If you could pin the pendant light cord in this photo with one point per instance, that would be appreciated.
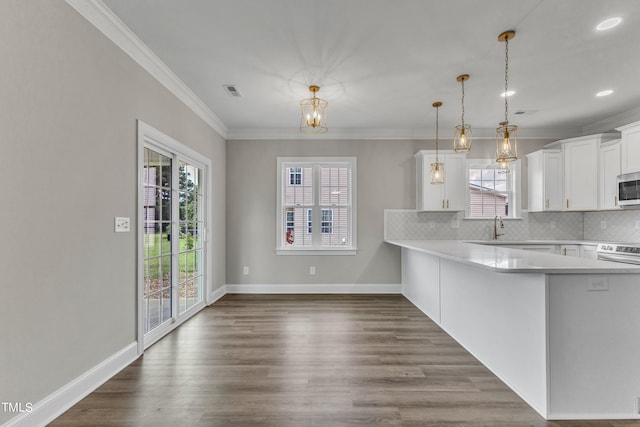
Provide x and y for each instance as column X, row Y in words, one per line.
column 506, row 78
column 463, row 103
column 437, row 109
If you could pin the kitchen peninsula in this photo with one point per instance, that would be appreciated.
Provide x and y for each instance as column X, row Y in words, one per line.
column 562, row 332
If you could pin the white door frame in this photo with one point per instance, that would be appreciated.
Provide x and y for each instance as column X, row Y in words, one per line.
column 149, row 137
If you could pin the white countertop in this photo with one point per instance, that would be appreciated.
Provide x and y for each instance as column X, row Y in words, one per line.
column 506, row 260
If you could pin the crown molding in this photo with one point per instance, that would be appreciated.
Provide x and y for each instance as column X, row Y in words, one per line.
column 98, row 14
column 613, row 122
column 387, row 134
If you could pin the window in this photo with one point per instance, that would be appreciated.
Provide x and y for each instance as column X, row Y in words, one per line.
column 317, row 191
column 492, row 191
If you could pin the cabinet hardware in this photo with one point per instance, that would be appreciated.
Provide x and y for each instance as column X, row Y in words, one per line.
column 564, row 250
column 546, row 203
column 567, row 203
column 615, row 200
column 442, row 204
column 447, row 204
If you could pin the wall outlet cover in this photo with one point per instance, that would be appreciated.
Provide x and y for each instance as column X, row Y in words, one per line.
column 245, row 270
column 455, row 223
column 598, row 283
column 603, row 225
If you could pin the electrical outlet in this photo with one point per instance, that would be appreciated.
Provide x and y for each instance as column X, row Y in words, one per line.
column 598, row 283
column 603, row 225
column 553, row 224
column 455, row 223
column 432, row 224
column 312, row 270
column 245, row 270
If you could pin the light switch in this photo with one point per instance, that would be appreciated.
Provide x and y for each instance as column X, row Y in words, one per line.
column 122, row 224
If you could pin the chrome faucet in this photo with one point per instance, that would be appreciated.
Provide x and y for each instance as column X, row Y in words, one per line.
column 497, row 220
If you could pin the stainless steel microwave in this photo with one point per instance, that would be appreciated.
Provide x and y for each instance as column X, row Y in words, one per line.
column 629, row 189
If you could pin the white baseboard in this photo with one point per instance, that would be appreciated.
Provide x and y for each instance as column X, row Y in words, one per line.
column 217, row 294
column 52, row 406
column 599, row 416
column 315, row 289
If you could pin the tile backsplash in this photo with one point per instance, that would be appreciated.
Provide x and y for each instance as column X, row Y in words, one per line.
column 619, row 226
column 408, row 224
column 413, row 225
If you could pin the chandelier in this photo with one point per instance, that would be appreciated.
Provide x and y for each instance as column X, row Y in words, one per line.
column 506, row 134
column 437, row 169
column 314, row 113
column 462, row 135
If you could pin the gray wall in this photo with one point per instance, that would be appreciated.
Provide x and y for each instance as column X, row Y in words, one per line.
column 70, row 100
column 386, row 180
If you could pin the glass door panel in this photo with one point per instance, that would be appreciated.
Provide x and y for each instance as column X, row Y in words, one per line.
column 157, row 196
column 191, row 224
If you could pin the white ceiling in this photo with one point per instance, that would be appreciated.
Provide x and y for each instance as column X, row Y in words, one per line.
column 382, row 63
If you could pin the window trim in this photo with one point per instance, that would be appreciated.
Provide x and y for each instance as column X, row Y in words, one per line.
column 516, row 209
column 281, row 163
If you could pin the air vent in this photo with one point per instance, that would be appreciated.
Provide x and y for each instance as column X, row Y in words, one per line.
column 232, row 90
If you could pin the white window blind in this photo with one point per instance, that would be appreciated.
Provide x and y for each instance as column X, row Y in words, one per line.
column 316, row 204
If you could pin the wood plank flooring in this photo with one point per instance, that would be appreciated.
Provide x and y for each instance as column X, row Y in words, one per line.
column 308, row 360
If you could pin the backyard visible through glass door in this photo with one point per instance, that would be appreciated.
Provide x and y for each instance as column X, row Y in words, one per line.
column 157, row 249
column 191, row 224
column 173, row 237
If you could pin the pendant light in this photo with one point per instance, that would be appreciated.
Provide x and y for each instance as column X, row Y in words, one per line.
column 314, row 113
column 506, row 134
column 462, row 135
column 437, row 168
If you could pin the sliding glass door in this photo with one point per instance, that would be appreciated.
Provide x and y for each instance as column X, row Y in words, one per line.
column 173, row 228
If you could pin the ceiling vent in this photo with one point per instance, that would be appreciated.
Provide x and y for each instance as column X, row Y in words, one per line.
column 232, row 90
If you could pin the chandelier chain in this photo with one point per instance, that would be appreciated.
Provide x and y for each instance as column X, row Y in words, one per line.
column 506, row 77
column 463, row 103
column 437, row 109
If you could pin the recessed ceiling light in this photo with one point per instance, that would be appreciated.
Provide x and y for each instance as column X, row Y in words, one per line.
column 509, row 93
column 604, row 92
column 608, row 24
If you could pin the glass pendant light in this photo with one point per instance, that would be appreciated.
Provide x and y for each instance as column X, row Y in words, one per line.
column 462, row 135
column 506, row 134
column 437, row 169
column 314, row 113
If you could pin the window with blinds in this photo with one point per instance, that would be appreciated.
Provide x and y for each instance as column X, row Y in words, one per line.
column 316, row 204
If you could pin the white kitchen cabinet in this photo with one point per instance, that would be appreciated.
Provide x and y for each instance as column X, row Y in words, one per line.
column 630, row 147
column 545, row 180
column 589, row 251
column 570, row 250
column 581, row 171
column 609, row 169
column 449, row 196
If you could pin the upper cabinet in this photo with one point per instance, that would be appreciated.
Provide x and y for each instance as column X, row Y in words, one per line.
column 581, row 171
column 449, row 196
column 630, row 147
column 609, row 169
column 545, row 180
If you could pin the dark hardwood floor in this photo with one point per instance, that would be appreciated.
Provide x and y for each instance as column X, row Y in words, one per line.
column 308, row 360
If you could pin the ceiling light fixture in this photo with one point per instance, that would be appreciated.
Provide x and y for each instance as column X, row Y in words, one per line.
column 506, row 134
column 608, row 24
column 437, row 169
column 462, row 135
column 314, row 113
column 508, row 93
column 604, row 93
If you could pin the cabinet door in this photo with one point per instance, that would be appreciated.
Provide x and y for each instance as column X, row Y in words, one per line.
column 609, row 171
column 588, row 251
column 570, row 250
column 631, row 150
column 455, row 190
column 581, row 175
column 553, row 181
column 431, row 196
